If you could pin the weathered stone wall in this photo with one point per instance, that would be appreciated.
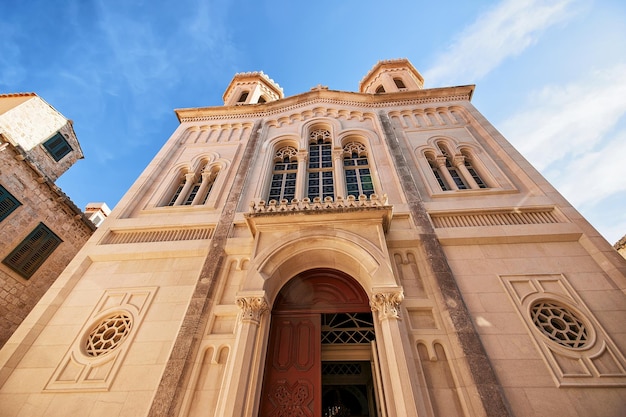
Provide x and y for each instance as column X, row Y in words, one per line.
column 41, row 202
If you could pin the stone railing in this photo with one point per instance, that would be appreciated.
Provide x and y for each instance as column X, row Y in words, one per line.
column 317, row 203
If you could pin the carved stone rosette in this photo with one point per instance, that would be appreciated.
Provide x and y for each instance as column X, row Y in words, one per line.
column 387, row 304
column 252, row 308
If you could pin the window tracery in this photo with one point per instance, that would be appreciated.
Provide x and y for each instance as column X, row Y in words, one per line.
column 320, row 181
column 357, row 170
column 284, row 174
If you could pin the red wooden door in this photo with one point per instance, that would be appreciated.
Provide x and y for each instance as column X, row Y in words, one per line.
column 292, row 386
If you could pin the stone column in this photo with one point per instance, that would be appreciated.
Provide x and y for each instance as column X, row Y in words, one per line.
column 401, row 382
column 189, row 180
column 301, row 177
column 459, row 163
column 207, row 178
column 443, row 170
column 340, row 179
column 235, row 390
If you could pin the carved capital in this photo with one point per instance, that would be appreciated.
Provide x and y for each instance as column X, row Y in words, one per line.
column 387, row 304
column 252, row 308
column 440, row 160
column 458, row 160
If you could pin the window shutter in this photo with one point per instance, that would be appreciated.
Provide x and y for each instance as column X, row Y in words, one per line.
column 8, row 203
column 33, row 251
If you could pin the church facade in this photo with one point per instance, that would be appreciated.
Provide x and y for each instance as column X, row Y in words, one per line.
column 376, row 253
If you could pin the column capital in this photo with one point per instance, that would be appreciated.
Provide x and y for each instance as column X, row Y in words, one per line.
column 458, row 160
column 387, row 304
column 440, row 160
column 252, row 308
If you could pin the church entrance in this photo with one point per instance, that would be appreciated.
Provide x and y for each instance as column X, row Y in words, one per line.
column 319, row 358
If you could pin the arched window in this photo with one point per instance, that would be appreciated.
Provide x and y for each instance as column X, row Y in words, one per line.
column 472, row 171
column 243, row 97
column 320, row 181
column 357, row 170
column 454, row 173
column 283, row 184
column 177, row 191
column 435, row 168
column 380, row 89
column 399, row 82
column 194, row 188
column 262, row 100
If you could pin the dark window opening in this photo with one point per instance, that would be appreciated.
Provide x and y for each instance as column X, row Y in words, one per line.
column 29, row 255
column 57, row 146
column 8, row 203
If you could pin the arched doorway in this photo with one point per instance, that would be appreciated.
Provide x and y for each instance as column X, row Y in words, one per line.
column 319, row 349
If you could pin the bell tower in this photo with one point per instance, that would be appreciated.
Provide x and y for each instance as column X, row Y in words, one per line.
column 391, row 76
column 251, row 88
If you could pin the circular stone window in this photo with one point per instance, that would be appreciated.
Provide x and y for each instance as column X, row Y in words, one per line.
column 559, row 324
column 108, row 334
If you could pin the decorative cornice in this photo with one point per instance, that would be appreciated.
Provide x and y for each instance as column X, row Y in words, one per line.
column 317, row 204
column 387, row 304
column 252, row 308
column 368, row 101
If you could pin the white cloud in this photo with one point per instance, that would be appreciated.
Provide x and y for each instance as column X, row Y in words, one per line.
column 504, row 31
column 588, row 179
column 569, row 121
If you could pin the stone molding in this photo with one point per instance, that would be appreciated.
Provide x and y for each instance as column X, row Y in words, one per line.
column 317, row 203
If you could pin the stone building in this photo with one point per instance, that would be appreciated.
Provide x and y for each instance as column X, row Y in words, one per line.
column 40, row 228
column 385, row 251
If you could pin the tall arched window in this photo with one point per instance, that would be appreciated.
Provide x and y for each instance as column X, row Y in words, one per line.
column 283, row 184
column 357, row 170
column 432, row 161
column 320, row 181
column 193, row 188
column 472, row 171
column 454, row 173
column 177, row 191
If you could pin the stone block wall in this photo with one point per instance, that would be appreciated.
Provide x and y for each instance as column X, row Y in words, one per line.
column 41, row 202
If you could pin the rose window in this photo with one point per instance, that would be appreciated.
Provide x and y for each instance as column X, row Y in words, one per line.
column 559, row 324
column 108, row 334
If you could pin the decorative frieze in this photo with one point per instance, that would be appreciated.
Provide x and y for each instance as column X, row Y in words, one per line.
column 387, row 304
column 306, row 204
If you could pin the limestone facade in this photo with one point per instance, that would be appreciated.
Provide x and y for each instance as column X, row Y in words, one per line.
column 30, row 199
column 385, row 250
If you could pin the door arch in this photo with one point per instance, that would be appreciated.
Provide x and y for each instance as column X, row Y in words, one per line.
column 308, row 302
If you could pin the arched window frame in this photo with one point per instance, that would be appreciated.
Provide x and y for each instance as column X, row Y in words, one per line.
column 283, row 182
column 243, row 97
column 399, row 83
column 380, row 89
column 320, row 167
column 356, row 169
column 454, row 167
column 193, row 188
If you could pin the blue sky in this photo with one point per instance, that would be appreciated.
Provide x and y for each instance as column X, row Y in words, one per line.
column 550, row 75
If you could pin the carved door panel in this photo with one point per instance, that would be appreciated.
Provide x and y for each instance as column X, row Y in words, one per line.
column 292, row 386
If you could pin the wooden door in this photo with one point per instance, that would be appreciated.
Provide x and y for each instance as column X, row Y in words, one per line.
column 292, row 386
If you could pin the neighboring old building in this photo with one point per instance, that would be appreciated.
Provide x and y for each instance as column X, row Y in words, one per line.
column 385, row 251
column 40, row 228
